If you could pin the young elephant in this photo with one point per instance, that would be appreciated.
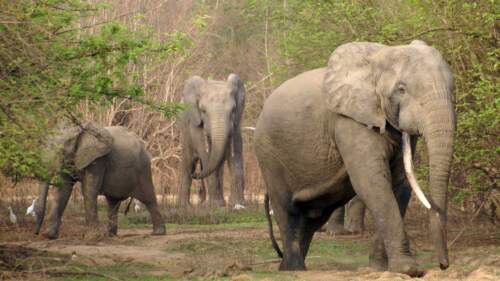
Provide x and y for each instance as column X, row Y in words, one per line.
column 347, row 129
column 211, row 134
column 110, row 161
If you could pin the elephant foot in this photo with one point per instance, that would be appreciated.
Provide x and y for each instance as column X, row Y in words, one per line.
column 378, row 262
column 356, row 230
column 292, row 265
column 159, row 230
column 334, row 230
column 113, row 232
column 51, row 234
column 406, row 265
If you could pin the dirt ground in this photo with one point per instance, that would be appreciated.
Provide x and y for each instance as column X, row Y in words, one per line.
column 239, row 251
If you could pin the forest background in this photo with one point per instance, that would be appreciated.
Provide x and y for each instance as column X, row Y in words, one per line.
column 123, row 62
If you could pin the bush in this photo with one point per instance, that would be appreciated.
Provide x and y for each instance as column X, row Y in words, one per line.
column 52, row 60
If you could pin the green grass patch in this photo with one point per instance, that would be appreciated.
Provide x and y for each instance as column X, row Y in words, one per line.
column 242, row 249
column 198, row 216
column 344, row 254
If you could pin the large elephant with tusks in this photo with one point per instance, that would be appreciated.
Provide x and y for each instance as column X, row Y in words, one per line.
column 330, row 133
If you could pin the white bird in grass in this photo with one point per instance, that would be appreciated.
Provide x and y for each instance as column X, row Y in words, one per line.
column 238, row 207
column 271, row 212
column 31, row 209
column 137, row 207
column 12, row 216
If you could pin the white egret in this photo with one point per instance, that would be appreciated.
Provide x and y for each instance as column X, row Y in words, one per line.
column 31, row 209
column 238, row 207
column 137, row 206
column 12, row 216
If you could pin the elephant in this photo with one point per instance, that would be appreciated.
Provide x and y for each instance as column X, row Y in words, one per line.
column 210, row 135
column 110, row 161
column 355, row 222
column 349, row 129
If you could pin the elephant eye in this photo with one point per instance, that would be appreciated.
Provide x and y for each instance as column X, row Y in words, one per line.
column 401, row 88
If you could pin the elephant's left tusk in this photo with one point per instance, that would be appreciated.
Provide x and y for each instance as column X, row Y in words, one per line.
column 409, row 171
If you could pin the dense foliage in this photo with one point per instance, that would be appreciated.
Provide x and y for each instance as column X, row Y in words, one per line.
column 57, row 53
column 465, row 32
column 54, row 58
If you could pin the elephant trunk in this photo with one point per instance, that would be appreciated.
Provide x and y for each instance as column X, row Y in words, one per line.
column 41, row 206
column 219, row 135
column 439, row 135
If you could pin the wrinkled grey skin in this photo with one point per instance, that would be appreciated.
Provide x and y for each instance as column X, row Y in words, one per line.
column 109, row 161
column 210, row 135
column 327, row 128
column 348, row 219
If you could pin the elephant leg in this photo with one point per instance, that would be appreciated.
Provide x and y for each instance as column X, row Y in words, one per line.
column 335, row 225
column 147, row 196
column 235, row 163
column 113, row 207
column 61, row 199
column 313, row 225
column 91, row 184
column 356, row 210
column 370, row 175
column 156, row 217
column 292, row 229
column 187, row 167
column 402, row 192
column 202, row 192
column 215, row 188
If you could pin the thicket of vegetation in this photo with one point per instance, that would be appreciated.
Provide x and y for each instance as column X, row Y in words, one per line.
column 53, row 59
column 62, row 55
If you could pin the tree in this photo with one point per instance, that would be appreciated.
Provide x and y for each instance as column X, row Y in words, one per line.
column 52, row 60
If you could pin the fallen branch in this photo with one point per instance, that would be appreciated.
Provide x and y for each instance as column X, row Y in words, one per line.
column 450, row 29
column 81, row 273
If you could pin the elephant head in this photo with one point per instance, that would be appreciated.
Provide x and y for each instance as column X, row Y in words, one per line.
column 69, row 151
column 215, row 108
column 411, row 88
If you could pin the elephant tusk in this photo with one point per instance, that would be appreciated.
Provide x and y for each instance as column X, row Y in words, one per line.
column 249, row 128
column 409, row 171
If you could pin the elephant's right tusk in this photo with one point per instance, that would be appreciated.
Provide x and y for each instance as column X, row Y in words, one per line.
column 410, row 175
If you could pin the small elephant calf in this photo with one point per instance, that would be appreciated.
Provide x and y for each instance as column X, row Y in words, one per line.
column 110, row 161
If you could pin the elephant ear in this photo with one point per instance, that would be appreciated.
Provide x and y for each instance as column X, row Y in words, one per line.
column 349, row 84
column 94, row 142
column 191, row 96
column 238, row 92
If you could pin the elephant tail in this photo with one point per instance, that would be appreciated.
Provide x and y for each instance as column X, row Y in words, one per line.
column 270, row 224
column 125, row 212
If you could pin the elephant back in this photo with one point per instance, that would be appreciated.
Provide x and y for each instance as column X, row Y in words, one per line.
column 128, row 148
